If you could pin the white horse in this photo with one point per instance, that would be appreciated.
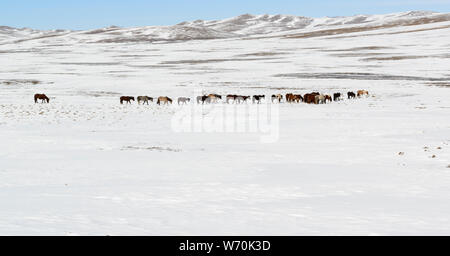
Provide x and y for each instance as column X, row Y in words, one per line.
column 277, row 97
column 231, row 98
column 319, row 99
column 183, row 100
column 257, row 98
column 242, row 99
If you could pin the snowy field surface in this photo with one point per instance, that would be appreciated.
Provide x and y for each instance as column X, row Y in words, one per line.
column 86, row 165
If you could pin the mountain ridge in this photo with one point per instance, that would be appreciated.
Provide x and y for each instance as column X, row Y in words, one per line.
column 245, row 25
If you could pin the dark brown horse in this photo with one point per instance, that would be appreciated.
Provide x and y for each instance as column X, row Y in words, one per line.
column 351, row 95
column 310, row 97
column 337, row 96
column 231, row 97
column 258, row 98
column 289, row 97
column 41, row 97
column 202, row 99
column 127, row 99
column 328, row 98
column 297, row 98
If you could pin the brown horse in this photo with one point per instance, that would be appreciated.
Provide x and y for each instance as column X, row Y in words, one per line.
column 41, row 97
column 293, row 98
column 362, row 92
column 127, row 99
column 213, row 98
column 328, row 98
column 289, row 97
column 297, row 98
column 166, row 100
column 310, row 97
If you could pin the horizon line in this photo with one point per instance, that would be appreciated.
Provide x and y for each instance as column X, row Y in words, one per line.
column 230, row 17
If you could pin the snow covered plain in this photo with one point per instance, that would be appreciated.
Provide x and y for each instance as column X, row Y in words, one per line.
column 86, row 165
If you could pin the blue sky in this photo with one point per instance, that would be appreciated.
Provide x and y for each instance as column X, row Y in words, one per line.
column 88, row 14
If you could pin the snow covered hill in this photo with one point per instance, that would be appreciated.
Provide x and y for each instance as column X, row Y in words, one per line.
column 241, row 26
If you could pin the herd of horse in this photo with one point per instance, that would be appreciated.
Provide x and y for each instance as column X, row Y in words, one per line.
column 310, row 98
